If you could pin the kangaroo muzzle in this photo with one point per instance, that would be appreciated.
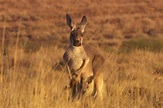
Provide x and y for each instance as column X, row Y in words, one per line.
column 77, row 43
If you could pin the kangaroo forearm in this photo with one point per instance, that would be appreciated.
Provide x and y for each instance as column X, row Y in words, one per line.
column 84, row 64
column 68, row 71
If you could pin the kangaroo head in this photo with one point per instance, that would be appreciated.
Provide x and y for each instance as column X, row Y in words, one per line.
column 86, row 83
column 77, row 30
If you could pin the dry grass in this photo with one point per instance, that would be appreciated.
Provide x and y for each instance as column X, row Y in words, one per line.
column 37, row 80
column 34, row 39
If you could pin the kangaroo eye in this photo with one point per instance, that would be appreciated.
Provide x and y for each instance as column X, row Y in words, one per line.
column 72, row 33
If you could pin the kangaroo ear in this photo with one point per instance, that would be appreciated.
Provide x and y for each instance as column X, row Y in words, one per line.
column 69, row 21
column 90, row 79
column 83, row 22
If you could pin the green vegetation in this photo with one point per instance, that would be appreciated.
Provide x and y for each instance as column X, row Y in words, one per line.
column 151, row 44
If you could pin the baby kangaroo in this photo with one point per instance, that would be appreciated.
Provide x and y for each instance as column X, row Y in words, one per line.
column 82, row 62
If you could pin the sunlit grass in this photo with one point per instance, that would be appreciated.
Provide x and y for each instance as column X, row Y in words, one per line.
column 36, row 82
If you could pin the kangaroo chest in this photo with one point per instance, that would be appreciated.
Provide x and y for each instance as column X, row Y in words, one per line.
column 76, row 58
column 75, row 62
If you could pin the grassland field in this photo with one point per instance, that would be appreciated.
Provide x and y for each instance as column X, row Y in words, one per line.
column 34, row 36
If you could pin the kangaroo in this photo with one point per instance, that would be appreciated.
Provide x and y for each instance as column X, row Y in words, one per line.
column 84, row 64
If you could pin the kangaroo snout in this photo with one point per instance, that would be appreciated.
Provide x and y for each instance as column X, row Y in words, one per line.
column 77, row 43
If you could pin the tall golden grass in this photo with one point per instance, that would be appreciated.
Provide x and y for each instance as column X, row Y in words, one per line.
column 37, row 80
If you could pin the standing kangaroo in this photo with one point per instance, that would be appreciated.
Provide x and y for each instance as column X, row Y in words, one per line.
column 84, row 64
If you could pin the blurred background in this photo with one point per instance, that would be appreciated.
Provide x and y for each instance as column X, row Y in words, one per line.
column 109, row 21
